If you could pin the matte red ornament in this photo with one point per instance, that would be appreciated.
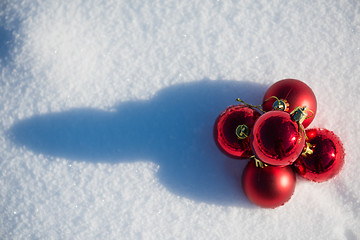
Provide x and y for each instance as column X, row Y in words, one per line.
column 232, row 128
column 270, row 186
column 276, row 139
column 324, row 157
column 296, row 93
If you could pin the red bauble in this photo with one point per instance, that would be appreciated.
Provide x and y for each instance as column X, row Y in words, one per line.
column 225, row 130
column 326, row 156
column 268, row 187
column 296, row 93
column 276, row 138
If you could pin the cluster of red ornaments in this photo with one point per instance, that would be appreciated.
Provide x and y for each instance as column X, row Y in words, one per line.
column 274, row 136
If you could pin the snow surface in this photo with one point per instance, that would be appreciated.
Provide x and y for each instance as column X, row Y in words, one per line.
column 107, row 110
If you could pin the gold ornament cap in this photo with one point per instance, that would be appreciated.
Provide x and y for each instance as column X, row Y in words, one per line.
column 307, row 150
column 299, row 114
column 281, row 105
column 258, row 163
column 242, row 131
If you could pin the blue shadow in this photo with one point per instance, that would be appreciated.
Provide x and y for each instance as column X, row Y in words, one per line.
column 173, row 130
column 6, row 43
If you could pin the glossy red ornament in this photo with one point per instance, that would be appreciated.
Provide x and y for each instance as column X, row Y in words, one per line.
column 296, row 93
column 324, row 158
column 225, row 130
column 270, row 186
column 276, row 138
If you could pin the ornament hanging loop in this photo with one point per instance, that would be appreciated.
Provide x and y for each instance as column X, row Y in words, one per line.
column 312, row 114
column 258, row 107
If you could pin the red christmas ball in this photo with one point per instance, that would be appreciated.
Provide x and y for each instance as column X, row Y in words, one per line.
column 270, row 186
column 296, row 93
column 276, row 138
column 232, row 128
column 323, row 158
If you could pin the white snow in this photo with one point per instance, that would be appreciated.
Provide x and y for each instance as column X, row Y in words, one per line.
column 107, row 110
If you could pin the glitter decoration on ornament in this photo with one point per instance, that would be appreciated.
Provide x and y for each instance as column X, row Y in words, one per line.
column 323, row 157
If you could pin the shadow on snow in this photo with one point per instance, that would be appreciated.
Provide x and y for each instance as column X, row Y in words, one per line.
column 173, row 129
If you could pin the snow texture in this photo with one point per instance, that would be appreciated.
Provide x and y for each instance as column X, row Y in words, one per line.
column 107, row 110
